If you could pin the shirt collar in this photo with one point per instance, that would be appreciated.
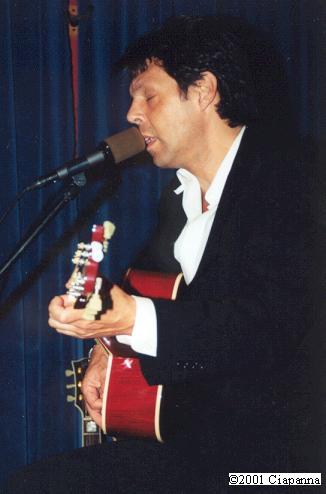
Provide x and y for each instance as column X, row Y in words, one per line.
column 213, row 195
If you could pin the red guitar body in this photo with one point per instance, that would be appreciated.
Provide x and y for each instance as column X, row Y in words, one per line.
column 131, row 407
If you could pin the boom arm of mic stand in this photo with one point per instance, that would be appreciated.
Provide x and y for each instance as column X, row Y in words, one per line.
column 69, row 193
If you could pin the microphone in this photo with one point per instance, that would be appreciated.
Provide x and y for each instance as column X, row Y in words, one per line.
column 114, row 149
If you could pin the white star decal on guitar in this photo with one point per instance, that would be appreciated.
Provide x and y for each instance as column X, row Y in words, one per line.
column 127, row 363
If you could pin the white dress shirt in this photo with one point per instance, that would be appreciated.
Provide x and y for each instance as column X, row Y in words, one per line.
column 188, row 248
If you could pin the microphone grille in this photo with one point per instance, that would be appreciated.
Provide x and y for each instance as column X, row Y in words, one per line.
column 126, row 144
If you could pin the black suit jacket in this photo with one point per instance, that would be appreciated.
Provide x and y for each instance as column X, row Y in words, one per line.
column 228, row 348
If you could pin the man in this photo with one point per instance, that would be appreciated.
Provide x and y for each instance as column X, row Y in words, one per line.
column 235, row 223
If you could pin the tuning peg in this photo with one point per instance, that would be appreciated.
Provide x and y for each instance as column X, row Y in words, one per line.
column 69, row 373
column 109, row 229
column 70, row 386
column 94, row 305
column 97, row 251
column 70, row 398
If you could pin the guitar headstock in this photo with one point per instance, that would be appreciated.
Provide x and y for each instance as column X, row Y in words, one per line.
column 86, row 287
column 91, row 433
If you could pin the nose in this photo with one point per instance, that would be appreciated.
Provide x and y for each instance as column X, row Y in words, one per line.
column 135, row 114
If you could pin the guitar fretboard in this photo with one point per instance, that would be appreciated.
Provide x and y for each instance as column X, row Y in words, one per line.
column 91, row 432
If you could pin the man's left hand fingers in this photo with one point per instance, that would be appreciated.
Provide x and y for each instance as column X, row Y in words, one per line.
column 71, row 330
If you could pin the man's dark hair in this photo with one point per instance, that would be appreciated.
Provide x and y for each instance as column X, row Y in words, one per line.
column 188, row 46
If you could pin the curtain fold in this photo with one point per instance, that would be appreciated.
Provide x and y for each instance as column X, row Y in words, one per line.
column 37, row 135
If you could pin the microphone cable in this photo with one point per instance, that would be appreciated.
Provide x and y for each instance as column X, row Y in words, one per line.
column 13, row 204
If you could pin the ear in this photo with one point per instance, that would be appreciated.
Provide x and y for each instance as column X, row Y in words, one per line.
column 208, row 90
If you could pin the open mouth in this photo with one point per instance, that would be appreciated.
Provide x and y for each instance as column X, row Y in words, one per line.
column 149, row 140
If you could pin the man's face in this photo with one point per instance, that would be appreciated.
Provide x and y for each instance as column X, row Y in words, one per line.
column 168, row 120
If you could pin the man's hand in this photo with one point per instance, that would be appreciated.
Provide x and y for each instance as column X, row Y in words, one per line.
column 93, row 383
column 69, row 321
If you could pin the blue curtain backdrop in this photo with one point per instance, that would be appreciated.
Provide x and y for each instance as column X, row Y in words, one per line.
column 37, row 135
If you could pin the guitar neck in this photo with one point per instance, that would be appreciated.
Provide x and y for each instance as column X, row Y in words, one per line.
column 91, row 432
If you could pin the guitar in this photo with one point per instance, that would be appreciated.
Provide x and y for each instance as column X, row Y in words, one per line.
column 131, row 407
column 91, row 433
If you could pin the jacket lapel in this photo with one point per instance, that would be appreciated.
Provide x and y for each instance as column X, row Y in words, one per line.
column 245, row 166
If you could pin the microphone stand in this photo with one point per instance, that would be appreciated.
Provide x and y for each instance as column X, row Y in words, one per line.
column 70, row 192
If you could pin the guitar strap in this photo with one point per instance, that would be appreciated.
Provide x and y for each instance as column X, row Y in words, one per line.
column 73, row 41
